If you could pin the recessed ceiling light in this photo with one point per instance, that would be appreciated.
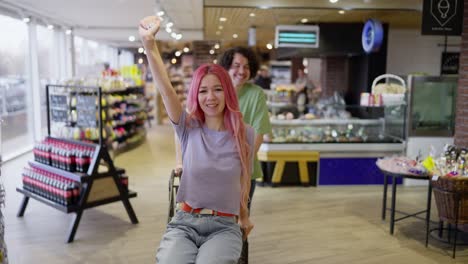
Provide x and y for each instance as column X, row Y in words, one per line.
column 50, row 26
column 235, row 36
column 178, row 53
column 68, row 31
column 26, row 19
column 179, row 36
column 212, row 51
column 215, row 61
column 168, row 30
column 140, row 61
column 304, row 20
column 222, row 19
column 252, row 14
column 186, row 49
column 341, row 12
column 216, row 46
column 170, row 24
column 264, row 7
column 220, row 27
column 333, row 1
column 160, row 13
column 173, row 34
column 174, row 61
column 131, row 38
column 269, row 46
column 141, row 50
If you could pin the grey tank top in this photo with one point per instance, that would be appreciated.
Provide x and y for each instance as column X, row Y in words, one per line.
column 211, row 166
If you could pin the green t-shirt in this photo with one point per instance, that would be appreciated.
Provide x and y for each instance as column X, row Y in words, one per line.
column 252, row 103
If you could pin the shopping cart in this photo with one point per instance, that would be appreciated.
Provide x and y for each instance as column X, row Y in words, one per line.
column 174, row 182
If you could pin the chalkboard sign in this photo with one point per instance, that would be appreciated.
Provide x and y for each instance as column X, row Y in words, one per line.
column 86, row 110
column 58, row 101
column 86, row 102
column 450, row 63
column 86, row 119
column 59, row 115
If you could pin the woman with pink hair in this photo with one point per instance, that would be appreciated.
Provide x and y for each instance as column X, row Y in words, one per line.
column 217, row 154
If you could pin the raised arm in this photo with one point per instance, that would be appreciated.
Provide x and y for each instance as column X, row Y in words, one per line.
column 148, row 28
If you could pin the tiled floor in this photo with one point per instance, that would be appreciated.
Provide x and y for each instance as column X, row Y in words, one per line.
column 338, row 224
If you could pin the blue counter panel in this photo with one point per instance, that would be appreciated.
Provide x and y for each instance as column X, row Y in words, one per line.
column 349, row 171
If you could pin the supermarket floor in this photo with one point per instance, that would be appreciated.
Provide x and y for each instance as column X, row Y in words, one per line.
column 339, row 224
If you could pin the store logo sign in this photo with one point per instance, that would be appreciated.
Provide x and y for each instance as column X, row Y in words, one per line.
column 442, row 17
column 443, row 10
column 372, row 36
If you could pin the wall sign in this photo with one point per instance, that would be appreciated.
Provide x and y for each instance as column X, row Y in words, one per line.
column 450, row 63
column 297, row 36
column 372, row 36
column 442, row 17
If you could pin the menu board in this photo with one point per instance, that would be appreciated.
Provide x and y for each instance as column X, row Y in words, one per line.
column 59, row 107
column 86, row 110
column 59, row 115
column 58, row 101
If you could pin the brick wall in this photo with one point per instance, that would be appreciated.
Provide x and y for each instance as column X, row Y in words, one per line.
column 334, row 75
column 461, row 122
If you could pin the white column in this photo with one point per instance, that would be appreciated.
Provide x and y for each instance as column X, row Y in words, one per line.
column 34, row 100
column 61, row 60
column 71, row 55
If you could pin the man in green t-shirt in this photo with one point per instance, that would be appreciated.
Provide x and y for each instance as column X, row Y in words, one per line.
column 241, row 64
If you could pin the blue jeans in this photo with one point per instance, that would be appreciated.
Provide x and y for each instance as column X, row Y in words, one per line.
column 204, row 239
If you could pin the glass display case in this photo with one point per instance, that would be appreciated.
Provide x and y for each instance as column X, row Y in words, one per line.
column 389, row 128
column 347, row 141
column 432, row 106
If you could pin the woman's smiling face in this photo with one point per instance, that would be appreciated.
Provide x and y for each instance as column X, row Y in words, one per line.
column 211, row 96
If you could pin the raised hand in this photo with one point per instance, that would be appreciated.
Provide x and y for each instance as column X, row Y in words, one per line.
column 148, row 28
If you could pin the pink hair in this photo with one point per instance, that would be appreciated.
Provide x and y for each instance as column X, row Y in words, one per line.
column 232, row 118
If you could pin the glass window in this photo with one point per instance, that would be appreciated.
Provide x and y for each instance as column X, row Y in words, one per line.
column 15, row 88
column 433, row 106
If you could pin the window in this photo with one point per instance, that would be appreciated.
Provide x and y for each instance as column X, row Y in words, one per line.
column 15, row 87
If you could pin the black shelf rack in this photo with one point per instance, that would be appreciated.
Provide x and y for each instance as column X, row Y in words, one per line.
column 100, row 185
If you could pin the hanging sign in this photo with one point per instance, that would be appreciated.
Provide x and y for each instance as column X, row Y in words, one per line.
column 372, row 36
column 450, row 63
column 442, row 17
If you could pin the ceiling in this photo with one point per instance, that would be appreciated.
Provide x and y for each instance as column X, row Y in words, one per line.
column 113, row 21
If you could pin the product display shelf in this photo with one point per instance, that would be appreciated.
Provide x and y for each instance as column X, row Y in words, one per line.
column 125, row 111
column 99, row 184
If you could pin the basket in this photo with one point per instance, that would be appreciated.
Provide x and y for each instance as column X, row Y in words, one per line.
column 451, row 193
column 390, row 98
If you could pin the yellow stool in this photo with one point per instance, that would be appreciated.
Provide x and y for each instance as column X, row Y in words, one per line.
column 281, row 157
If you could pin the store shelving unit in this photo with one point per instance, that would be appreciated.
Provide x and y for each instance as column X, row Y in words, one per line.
column 137, row 109
column 100, row 184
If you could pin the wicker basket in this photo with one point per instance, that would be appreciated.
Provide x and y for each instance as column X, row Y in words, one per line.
column 451, row 193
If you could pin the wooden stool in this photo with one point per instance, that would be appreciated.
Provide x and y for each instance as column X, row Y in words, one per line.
column 281, row 157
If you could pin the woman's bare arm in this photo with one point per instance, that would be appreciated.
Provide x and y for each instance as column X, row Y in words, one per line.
column 148, row 27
